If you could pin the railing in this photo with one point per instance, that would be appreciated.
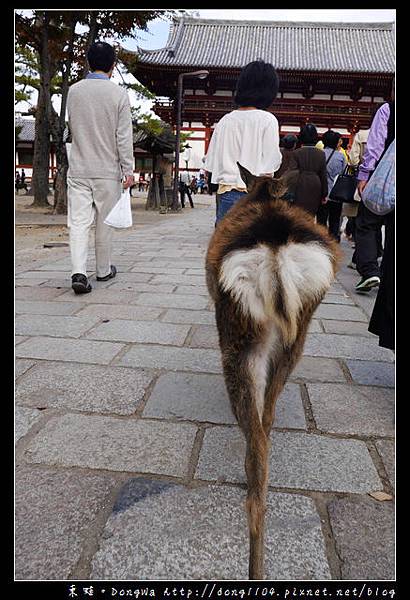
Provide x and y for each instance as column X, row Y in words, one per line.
column 314, row 107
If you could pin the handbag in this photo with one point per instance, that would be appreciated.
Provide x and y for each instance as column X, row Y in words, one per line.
column 380, row 193
column 120, row 215
column 344, row 187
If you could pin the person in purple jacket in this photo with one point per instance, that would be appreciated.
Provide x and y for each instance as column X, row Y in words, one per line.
column 368, row 224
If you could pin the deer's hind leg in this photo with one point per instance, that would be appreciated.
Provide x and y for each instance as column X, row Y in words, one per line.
column 245, row 364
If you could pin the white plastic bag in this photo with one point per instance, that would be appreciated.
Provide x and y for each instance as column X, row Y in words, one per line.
column 120, row 215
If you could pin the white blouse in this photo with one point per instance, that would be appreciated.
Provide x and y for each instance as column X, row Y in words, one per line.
column 250, row 137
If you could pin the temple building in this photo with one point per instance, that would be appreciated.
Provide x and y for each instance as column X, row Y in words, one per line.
column 331, row 74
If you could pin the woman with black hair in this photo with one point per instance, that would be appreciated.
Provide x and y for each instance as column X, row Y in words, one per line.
column 248, row 135
column 310, row 186
column 330, row 213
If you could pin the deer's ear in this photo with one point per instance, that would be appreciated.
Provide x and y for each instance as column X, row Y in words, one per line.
column 247, row 177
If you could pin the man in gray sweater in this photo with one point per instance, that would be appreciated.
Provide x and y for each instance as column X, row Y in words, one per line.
column 101, row 156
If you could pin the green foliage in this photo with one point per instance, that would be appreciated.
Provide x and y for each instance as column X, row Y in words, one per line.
column 18, row 130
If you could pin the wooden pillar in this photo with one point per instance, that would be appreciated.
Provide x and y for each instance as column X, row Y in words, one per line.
column 208, row 133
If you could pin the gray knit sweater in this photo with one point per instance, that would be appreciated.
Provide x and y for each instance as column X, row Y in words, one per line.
column 99, row 118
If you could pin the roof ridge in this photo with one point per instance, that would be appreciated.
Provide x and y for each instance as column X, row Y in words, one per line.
column 315, row 25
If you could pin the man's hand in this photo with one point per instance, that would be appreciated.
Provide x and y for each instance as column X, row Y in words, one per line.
column 129, row 181
column 360, row 187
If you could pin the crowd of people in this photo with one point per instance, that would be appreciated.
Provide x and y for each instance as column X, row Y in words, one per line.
column 248, row 135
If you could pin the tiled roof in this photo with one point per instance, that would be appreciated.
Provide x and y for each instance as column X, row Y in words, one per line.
column 27, row 133
column 342, row 47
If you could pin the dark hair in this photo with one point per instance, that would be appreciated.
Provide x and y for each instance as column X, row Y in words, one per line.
column 308, row 135
column 257, row 85
column 101, row 56
column 289, row 141
column 331, row 139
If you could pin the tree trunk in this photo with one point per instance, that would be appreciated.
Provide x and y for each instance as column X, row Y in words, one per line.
column 41, row 158
column 60, row 190
column 58, row 128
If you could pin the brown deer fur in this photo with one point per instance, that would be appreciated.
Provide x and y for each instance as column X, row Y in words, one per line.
column 268, row 267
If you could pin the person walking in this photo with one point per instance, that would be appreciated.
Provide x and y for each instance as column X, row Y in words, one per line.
column 184, row 188
column 288, row 146
column 356, row 154
column 99, row 116
column 329, row 213
column 248, row 135
column 382, row 320
column 368, row 224
column 141, row 182
column 310, row 185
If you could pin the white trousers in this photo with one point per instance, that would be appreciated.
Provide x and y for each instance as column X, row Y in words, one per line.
column 89, row 199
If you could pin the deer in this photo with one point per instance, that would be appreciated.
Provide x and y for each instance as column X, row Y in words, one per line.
column 268, row 266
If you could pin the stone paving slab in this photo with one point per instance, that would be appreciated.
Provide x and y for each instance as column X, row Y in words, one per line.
column 140, row 331
column 89, row 388
column 372, row 372
column 189, row 316
column 143, row 287
column 200, row 397
column 99, row 296
column 29, row 282
column 42, row 275
column 54, row 513
column 22, row 365
column 172, row 301
column 38, row 293
column 98, row 442
column 345, row 346
column 150, row 270
column 386, row 449
column 336, row 312
column 87, row 351
column 347, row 327
column 334, row 405
column 18, row 339
column 337, row 299
column 139, row 545
column 24, row 420
column 121, row 311
column 364, row 532
column 297, row 460
column 180, row 279
column 45, row 308
column 192, row 289
column 55, row 326
column 204, row 336
column 195, row 397
column 173, row 359
column 311, row 368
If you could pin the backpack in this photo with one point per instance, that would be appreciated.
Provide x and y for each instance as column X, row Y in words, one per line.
column 380, row 193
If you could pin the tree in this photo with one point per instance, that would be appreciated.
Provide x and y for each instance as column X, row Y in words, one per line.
column 61, row 49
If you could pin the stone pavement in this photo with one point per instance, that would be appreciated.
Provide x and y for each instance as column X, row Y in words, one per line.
column 129, row 464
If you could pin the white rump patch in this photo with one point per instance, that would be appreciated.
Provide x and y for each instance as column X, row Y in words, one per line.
column 306, row 272
column 248, row 276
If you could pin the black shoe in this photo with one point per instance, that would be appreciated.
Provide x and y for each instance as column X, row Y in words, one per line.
column 80, row 284
column 367, row 283
column 109, row 276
